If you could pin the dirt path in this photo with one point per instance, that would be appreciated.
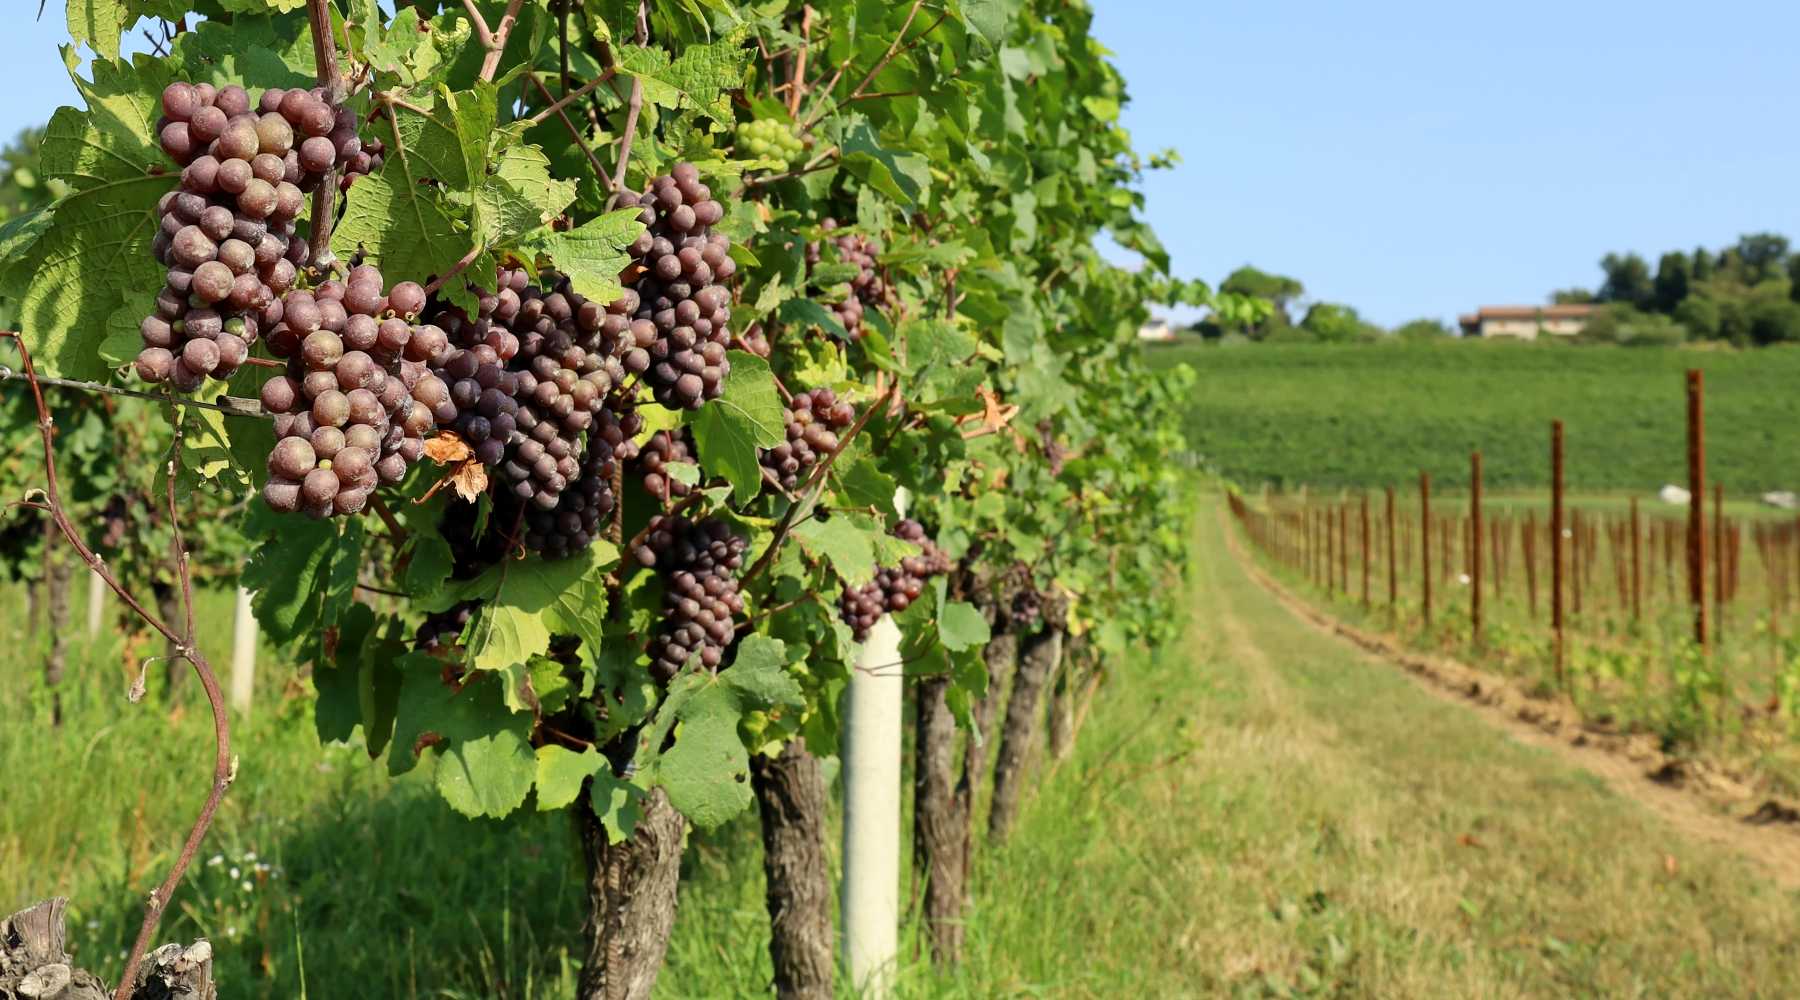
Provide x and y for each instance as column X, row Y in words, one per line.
column 1701, row 805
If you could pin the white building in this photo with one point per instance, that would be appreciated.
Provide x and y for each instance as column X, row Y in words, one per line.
column 1157, row 330
column 1527, row 322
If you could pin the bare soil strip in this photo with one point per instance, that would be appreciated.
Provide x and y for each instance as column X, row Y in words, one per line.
column 1696, row 798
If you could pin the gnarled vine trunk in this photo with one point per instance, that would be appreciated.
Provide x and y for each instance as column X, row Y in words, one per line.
column 34, row 963
column 790, row 797
column 1038, row 656
column 940, row 828
column 1070, row 680
column 631, row 899
column 1002, row 656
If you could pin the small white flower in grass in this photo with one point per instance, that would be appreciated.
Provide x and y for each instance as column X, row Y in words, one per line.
column 1462, row 578
column 93, row 925
column 249, row 856
column 261, row 868
column 215, row 861
column 235, row 873
column 247, row 885
column 231, row 932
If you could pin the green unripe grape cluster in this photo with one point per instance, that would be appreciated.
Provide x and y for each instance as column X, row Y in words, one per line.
column 768, row 139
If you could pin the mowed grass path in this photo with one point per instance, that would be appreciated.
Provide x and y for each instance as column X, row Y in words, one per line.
column 1279, row 815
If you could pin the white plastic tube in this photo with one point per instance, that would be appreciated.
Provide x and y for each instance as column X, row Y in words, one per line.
column 96, row 606
column 871, row 738
column 243, row 654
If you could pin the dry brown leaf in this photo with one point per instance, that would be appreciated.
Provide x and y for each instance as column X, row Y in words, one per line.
column 1669, row 865
column 445, row 447
column 1468, row 840
column 470, row 480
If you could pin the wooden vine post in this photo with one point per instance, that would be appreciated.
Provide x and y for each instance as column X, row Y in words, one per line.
column 1475, row 537
column 1556, row 552
column 1696, row 526
column 1393, row 568
column 1719, row 561
column 1365, row 550
column 1637, row 565
column 1425, row 543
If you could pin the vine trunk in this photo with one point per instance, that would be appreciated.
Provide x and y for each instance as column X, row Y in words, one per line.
column 631, row 899
column 791, row 799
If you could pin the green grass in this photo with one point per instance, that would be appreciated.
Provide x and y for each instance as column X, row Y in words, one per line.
column 1376, row 415
column 1256, row 812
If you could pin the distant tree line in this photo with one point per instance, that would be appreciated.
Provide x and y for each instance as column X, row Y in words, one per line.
column 1746, row 294
column 1325, row 322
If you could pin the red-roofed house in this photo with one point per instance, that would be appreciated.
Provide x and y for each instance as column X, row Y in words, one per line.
column 1526, row 322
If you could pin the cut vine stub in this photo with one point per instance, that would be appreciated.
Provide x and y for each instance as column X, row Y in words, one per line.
column 34, row 963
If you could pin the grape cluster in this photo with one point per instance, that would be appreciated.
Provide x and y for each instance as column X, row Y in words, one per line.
column 813, row 420
column 894, row 588
column 867, row 288
column 649, row 463
column 698, row 562
column 769, row 139
column 227, row 231
column 581, row 509
column 357, row 399
column 679, row 307
column 529, row 373
column 1027, row 601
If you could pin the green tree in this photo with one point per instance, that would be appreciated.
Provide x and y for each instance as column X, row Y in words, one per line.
column 1703, row 264
column 1673, row 279
column 1423, row 329
column 1627, row 279
column 1571, row 296
column 1335, row 323
column 1763, row 255
column 1276, row 289
column 1700, row 315
column 1793, row 270
column 1775, row 322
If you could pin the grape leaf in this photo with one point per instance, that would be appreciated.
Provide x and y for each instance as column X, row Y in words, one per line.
column 961, row 627
column 447, row 142
column 728, row 430
column 592, row 254
column 988, row 18
column 844, row 540
column 525, row 602
column 618, row 803
column 904, row 177
column 99, row 23
column 485, row 766
column 865, row 485
column 706, row 770
column 249, row 50
column 406, row 227
column 297, row 574
column 808, row 313
column 561, row 771
column 701, row 78
column 519, row 196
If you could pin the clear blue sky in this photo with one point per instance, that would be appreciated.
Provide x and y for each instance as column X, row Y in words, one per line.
column 1422, row 158
column 1409, row 158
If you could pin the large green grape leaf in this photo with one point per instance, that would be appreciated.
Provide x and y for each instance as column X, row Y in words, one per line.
column 446, row 142
column 847, row 541
column 303, row 573
column 904, row 177
column 251, row 51
column 17, row 236
column 485, row 765
column 90, row 262
column 561, row 771
column 987, row 18
column 99, row 23
column 519, row 196
column 524, row 602
column 701, row 78
column 730, row 429
column 592, row 254
column 406, row 227
column 706, row 770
